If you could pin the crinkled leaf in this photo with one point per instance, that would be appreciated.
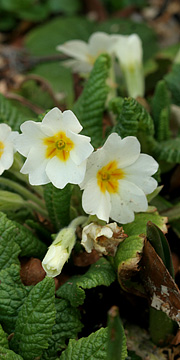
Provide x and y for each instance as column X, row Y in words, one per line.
column 9, row 114
column 168, row 150
column 91, row 104
column 100, row 273
column 67, row 327
column 3, row 338
column 58, row 204
column 116, row 347
column 9, row 249
column 138, row 226
column 7, row 354
column 132, row 119
column 25, row 242
column 93, row 347
column 161, row 111
column 173, row 83
column 12, row 295
column 35, row 321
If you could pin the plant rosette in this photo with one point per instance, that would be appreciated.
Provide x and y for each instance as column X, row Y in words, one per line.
column 117, row 180
column 54, row 149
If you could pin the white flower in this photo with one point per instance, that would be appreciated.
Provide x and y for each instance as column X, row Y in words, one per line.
column 84, row 53
column 117, row 179
column 103, row 239
column 130, row 55
column 6, row 147
column 55, row 151
column 59, row 252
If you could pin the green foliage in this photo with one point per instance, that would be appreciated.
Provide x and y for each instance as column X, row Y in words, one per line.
column 138, row 226
column 91, row 104
column 160, row 244
column 58, row 204
column 168, row 150
column 35, row 321
column 92, row 347
column 25, row 243
column 9, row 114
column 100, row 273
column 12, row 295
column 116, row 347
column 161, row 111
column 132, row 118
column 3, row 338
column 6, row 354
column 66, row 327
column 173, row 82
column 9, row 249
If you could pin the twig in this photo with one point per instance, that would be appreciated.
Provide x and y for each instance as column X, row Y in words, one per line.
column 25, row 102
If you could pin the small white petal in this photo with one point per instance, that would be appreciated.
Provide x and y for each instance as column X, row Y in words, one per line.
column 71, row 122
column 60, row 173
column 75, row 48
column 78, row 66
column 7, row 156
column 5, row 130
column 140, row 173
column 126, row 151
column 133, row 196
column 120, row 211
column 53, row 122
column 82, row 148
column 95, row 202
column 30, row 137
column 35, row 166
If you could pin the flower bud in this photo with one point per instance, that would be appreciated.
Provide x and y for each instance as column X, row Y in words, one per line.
column 59, row 252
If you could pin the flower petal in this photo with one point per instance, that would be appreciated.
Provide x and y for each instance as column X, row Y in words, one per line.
column 53, row 122
column 140, row 173
column 120, row 211
column 35, row 166
column 78, row 66
column 5, row 130
column 60, row 173
column 126, row 151
column 71, row 122
column 132, row 196
column 75, row 48
column 82, row 148
column 7, row 157
column 30, row 137
column 95, row 202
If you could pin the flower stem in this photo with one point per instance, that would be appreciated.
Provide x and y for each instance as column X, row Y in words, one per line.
column 77, row 221
column 22, row 190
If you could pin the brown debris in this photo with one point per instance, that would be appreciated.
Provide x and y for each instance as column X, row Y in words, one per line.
column 85, row 259
column 32, row 271
column 159, row 285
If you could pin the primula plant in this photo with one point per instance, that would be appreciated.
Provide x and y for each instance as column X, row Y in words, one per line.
column 87, row 264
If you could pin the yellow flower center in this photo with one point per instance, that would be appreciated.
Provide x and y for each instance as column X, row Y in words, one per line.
column 1, row 148
column 108, row 176
column 58, row 145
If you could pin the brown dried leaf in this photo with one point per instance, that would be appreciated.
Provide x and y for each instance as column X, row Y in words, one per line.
column 159, row 285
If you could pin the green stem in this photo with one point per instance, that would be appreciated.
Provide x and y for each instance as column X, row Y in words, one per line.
column 22, row 190
column 35, row 207
column 77, row 221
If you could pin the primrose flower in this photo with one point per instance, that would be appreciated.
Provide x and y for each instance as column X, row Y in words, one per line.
column 104, row 239
column 54, row 149
column 85, row 54
column 130, row 53
column 6, row 147
column 59, row 252
column 117, row 180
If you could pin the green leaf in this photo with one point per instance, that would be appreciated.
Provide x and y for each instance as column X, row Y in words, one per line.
column 116, row 348
column 12, row 295
column 160, row 244
column 173, row 82
column 138, row 226
column 6, row 354
column 35, row 321
column 23, row 239
column 68, row 7
column 161, row 111
column 58, row 204
column 168, row 150
column 9, row 249
column 100, row 273
column 132, row 119
column 3, row 338
column 67, row 327
column 91, row 104
column 9, row 114
column 92, row 347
